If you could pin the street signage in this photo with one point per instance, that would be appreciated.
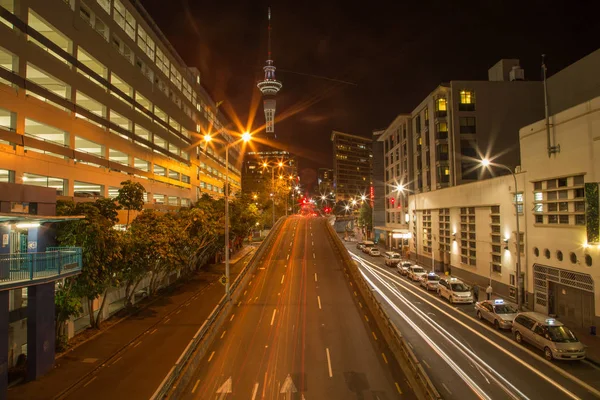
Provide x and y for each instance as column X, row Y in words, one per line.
column 223, row 280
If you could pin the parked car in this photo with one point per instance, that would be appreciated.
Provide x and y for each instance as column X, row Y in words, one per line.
column 455, row 290
column 392, row 259
column 547, row 334
column 415, row 272
column 429, row 281
column 498, row 312
column 374, row 251
column 403, row 268
column 360, row 245
column 367, row 245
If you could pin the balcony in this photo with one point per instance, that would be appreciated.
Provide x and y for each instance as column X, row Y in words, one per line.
column 26, row 269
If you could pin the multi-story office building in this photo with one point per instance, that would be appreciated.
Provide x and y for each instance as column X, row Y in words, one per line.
column 92, row 94
column 462, row 121
column 260, row 166
column 377, row 194
column 352, row 165
column 325, row 181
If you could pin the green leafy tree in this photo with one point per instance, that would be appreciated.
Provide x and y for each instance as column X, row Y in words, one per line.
column 67, row 305
column 365, row 218
column 108, row 209
column 131, row 197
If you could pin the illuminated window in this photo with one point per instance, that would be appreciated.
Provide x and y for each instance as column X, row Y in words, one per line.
column 120, row 84
column 48, row 82
column 51, row 33
column 161, row 114
column 144, row 102
column 124, row 19
column 440, row 104
column 467, row 100
column 93, row 64
column 162, row 62
column 9, row 5
column 158, row 170
column 105, row 4
column 175, row 77
column 145, row 43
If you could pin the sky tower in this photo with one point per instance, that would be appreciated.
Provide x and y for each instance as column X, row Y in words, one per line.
column 269, row 88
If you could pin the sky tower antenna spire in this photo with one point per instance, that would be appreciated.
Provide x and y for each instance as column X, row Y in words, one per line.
column 269, row 88
column 269, row 42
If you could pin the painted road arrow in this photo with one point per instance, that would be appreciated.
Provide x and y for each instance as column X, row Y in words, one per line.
column 288, row 387
column 225, row 389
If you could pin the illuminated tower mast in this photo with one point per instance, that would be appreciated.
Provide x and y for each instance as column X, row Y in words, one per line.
column 269, row 88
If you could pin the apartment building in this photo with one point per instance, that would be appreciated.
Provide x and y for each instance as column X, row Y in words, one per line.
column 260, row 166
column 92, row 94
column 325, row 181
column 352, row 165
column 460, row 122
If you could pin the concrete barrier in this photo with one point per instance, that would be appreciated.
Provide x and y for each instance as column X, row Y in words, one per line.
column 181, row 373
column 412, row 368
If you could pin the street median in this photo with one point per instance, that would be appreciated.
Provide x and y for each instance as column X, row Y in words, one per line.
column 412, row 368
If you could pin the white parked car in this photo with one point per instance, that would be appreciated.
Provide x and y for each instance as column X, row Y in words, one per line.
column 415, row 272
column 403, row 268
column 429, row 281
column 498, row 312
column 392, row 259
column 374, row 251
column 455, row 290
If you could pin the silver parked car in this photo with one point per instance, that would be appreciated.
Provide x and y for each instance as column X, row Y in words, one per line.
column 547, row 334
column 498, row 312
column 403, row 268
column 374, row 251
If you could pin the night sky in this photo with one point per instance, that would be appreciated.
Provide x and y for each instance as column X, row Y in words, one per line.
column 391, row 55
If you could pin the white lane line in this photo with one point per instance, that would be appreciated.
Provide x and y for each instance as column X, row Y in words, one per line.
column 211, row 356
column 319, row 300
column 167, row 320
column 315, row 277
column 505, row 351
column 255, row 391
column 273, row 317
column 288, row 257
column 446, row 387
column 282, row 278
column 231, row 319
column 116, row 361
column 154, row 331
column 137, row 344
column 178, row 311
column 313, row 243
column 223, row 334
column 291, row 242
column 314, row 255
column 245, row 291
column 429, row 366
column 195, row 386
column 329, row 363
column 90, row 381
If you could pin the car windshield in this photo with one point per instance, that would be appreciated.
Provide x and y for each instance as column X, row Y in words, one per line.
column 505, row 309
column 418, row 270
column 561, row 334
column 405, row 265
column 433, row 277
column 459, row 287
column 395, row 256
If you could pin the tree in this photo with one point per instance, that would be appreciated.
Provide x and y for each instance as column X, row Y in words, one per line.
column 131, row 197
column 108, row 209
column 243, row 216
column 365, row 217
column 67, row 305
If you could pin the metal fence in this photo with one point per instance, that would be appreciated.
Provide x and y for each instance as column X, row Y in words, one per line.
column 185, row 365
column 23, row 267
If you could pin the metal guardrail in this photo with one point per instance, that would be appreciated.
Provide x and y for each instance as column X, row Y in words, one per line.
column 175, row 373
column 23, row 267
column 396, row 342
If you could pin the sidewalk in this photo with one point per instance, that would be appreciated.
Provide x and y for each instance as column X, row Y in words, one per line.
column 77, row 364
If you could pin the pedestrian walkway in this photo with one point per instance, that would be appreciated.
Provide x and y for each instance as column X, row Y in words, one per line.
column 76, row 364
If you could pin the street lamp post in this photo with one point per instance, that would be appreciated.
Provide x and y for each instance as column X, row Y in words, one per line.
column 245, row 137
column 486, row 163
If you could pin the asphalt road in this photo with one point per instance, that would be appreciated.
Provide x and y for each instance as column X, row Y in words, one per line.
column 137, row 371
column 467, row 358
column 297, row 332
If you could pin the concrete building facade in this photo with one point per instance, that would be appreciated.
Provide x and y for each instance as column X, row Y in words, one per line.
column 92, row 94
column 352, row 165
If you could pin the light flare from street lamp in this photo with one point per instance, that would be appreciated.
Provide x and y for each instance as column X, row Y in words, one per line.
column 246, row 136
column 207, row 138
column 363, row 197
column 485, row 162
column 280, row 164
column 400, row 187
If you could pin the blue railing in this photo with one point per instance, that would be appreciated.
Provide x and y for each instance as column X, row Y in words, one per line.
column 54, row 263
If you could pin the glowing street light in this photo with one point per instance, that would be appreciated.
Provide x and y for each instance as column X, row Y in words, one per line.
column 280, row 164
column 363, row 197
column 400, row 187
column 207, row 138
column 246, row 136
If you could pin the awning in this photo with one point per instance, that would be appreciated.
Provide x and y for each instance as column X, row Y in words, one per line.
column 24, row 218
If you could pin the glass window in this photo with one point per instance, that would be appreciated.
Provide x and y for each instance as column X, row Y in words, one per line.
column 140, row 164
column 175, row 77
column 89, row 147
column 45, row 132
column 118, row 157
column 467, row 97
column 174, row 175
column 48, row 82
column 144, row 102
column 143, row 133
column 440, row 104
column 85, row 189
column 145, row 43
column 7, row 119
column 105, row 4
column 126, row 89
column 162, row 62
column 121, row 121
column 95, row 107
column 185, row 178
column 158, row 170
column 93, row 64
column 124, row 19
column 8, row 61
column 45, row 181
column 51, row 33
column 174, row 149
column 160, row 142
column 9, row 5
column 123, row 48
column 161, row 114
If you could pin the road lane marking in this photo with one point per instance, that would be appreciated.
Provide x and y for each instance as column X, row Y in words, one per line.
column 366, row 318
column 90, row 381
column 154, row 331
column 446, row 387
column 255, row 391
column 256, row 298
column 223, row 334
column 245, row 292
column 167, row 320
column 410, row 345
column 384, row 358
column 116, row 361
column 137, row 344
column 211, row 356
column 231, row 319
column 195, row 386
column 315, row 277
column 360, row 304
column 250, row 283
column 282, row 278
column 398, row 387
column 374, row 335
column 314, row 255
column 288, row 257
column 178, row 311
column 239, row 303
column 319, row 300
column 291, row 242
column 329, row 363
column 428, row 366
column 355, row 293
column 313, row 243
column 273, row 317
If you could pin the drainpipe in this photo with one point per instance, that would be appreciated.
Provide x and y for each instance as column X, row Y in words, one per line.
column 551, row 149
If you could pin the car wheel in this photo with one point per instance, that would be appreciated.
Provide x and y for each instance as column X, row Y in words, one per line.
column 548, row 354
column 496, row 324
column 518, row 337
column 479, row 315
column 450, row 300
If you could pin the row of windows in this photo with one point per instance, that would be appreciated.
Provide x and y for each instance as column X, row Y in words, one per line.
column 559, row 201
column 559, row 256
